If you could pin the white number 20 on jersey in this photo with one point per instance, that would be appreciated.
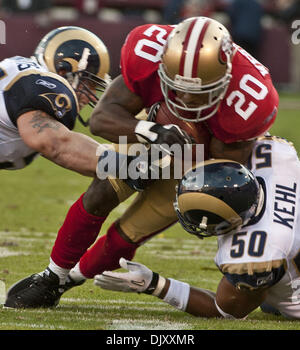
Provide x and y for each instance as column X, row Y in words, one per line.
column 157, row 46
column 258, row 94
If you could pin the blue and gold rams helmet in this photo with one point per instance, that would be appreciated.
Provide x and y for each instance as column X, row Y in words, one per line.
column 217, row 197
column 77, row 54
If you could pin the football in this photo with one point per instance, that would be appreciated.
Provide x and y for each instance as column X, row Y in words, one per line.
column 198, row 131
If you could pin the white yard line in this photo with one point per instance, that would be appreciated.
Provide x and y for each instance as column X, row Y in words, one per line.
column 128, row 324
column 19, row 325
column 4, row 252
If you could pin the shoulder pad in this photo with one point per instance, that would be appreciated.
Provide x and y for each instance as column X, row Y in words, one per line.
column 58, row 92
column 43, row 91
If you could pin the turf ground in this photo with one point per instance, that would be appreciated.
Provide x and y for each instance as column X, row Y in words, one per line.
column 34, row 202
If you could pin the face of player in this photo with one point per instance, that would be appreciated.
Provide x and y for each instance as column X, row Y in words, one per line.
column 191, row 100
column 86, row 93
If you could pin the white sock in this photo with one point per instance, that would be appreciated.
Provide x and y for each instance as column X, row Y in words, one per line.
column 76, row 274
column 59, row 271
column 178, row 294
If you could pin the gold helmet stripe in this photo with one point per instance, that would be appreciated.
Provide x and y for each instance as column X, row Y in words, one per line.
column 184, row 48
column 202, row 201
column 210, row 161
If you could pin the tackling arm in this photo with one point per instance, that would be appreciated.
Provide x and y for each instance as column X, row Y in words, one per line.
column 71, row 150
column 228, row 302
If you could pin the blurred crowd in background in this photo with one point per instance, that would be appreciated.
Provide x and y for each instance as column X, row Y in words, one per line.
column 247, row 20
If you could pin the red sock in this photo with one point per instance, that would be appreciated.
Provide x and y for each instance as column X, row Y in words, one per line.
column 78, row 232
column 106, row 253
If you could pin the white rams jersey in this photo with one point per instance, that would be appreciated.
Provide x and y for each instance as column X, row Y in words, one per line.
column 266, row 252
column 26, row 86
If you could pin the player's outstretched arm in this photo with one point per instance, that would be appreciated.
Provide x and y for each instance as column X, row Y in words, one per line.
column 71, row 150
column 228, row 302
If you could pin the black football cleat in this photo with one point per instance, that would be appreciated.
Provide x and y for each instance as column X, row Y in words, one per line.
column 38, row 291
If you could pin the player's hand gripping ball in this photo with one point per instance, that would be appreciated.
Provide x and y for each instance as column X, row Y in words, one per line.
column 197, row 131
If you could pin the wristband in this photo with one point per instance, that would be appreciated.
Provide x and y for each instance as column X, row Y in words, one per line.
column 156, row 285
column 152, row 284
column 143, row 133
column 178, row 294
column 160, row 286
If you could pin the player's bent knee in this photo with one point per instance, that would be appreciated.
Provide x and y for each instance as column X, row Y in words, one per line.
column 100, row 198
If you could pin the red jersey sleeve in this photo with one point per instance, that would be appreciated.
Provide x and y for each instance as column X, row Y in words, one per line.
column 140, row 58
column 250, row 105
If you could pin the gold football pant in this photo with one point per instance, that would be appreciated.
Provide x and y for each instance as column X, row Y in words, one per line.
column 151, row 212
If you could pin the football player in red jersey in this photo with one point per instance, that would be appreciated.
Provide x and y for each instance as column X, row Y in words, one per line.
column 200, row 71
column 204, row 78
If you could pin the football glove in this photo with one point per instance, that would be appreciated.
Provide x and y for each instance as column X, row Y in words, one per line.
column 139, row 279
column 136, row 171
column 114, row 164
column 150, row 132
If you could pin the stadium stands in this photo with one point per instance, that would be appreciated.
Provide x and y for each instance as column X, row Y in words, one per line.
column 24, row 30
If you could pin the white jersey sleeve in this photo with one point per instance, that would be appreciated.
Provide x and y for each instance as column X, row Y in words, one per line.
column 25, row 86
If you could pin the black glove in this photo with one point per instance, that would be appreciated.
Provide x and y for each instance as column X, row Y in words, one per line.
column 136, row 171
column 150, row 132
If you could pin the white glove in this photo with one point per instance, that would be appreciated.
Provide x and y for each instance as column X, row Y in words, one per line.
column 138, row 279
column 150, row 132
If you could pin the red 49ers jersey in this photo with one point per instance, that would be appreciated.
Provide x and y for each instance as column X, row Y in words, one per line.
column 249, row 106
column 140, row 57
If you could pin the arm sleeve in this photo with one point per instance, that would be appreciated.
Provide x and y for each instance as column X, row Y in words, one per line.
column 51, row 95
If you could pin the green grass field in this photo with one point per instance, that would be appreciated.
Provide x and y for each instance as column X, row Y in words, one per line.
column 34, row 202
